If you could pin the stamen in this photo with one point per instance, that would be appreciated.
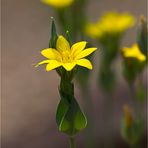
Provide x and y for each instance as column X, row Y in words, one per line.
column 67, row 57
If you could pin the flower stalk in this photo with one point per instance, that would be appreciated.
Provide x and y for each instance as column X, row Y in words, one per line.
column 134, row 63
column 108, row 32
column 65, row 59
column 72, row 142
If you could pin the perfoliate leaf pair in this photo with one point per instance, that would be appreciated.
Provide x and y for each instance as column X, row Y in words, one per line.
column 69, row 117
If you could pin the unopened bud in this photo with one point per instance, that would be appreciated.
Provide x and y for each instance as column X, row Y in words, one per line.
column 127, row 115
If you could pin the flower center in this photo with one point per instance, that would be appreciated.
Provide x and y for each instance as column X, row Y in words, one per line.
column 66, row 57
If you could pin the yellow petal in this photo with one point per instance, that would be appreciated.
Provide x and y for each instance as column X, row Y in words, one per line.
column 42, row 62
column 69, row 66
column 62, row 44
column 78, row 47
column 142, row 58
column 85, row 53
column 133, row 52
column 92, row 30
column 51, row 53
column 85, row 63
column 52, row 65
column 58, row 3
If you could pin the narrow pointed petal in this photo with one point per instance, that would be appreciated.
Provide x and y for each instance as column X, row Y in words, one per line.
column 85, row 53
column 42, row 62
column 85, row 63
column 52, row 65
column 78, row 47
column 69, row 66
column 51, row 53
column 62, row 44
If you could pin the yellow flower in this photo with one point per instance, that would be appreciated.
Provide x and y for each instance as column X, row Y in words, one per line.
column 109, row 23
column 133, row 52
column 92, row 30
column 66, row 56
column 58, row 3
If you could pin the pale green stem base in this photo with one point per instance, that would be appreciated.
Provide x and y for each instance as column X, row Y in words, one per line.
column 108, row 114
column 135, row 102
column 72, row 142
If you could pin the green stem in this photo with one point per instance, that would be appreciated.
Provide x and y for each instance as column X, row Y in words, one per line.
column 62, row 20
column 72, row 142
column 108, row 121
column 135, row 102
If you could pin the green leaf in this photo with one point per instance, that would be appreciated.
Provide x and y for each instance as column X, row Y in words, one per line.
column 54, row 36
column 70, row 118
column 80, row 121
column 61, row 111
column 142, row 36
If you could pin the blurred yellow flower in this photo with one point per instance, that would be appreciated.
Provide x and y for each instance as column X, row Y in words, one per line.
column 92, row 30
column 133, row 52
column 110, row 23
column 58, row 3
column 66, row 56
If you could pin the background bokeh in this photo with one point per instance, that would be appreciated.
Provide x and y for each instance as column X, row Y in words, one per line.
column 30, row 95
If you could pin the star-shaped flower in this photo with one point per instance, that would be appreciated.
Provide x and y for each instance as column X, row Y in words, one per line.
column 110, row 23
column 66, row 56
column 133, row 52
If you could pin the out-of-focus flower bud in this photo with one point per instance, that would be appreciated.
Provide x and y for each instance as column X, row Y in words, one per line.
column 128, row 117
column 131, row 129
column 142, row 37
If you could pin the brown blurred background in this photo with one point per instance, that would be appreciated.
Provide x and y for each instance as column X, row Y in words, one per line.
column 30, row 95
